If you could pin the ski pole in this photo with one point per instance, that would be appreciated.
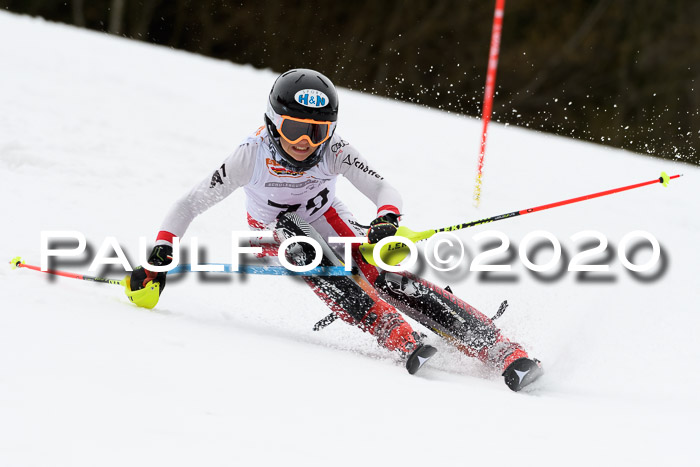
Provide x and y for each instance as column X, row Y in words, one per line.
column 19, row 263
column 182, row 268
column 146, row 297
column 393, row 253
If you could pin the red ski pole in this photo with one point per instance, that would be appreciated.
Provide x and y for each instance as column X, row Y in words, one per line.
column 19, row 263
column 663, row 179
column 393, row 253
column 146, row 297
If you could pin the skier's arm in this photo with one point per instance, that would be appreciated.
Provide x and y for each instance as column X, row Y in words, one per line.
column 347, row 161
column 235, row 172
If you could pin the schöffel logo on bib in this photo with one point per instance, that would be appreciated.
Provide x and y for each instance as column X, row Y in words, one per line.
column 311, row 98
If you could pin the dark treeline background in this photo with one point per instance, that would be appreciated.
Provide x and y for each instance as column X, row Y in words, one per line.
column 618, row 72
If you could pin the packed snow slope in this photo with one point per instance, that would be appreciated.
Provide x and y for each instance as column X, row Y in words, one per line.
column 101, row 134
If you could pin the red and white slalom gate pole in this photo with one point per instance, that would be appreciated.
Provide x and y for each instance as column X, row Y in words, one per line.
column 489, row 91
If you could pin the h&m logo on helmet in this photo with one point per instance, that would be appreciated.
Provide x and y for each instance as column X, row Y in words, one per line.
column 311, row 98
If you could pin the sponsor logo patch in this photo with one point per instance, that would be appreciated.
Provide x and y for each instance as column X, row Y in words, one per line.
column 337, row 146
column 311, row 98
column 216, row 179
column 278, row 170
column 355, row 162
column 305, row 183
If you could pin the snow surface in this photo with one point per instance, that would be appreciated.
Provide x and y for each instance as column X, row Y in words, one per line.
column 101, row 134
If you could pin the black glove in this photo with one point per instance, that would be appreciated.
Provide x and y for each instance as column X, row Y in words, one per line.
column 382, row 227
column 162, row 255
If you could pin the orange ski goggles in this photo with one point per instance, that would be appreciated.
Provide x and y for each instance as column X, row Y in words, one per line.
column 294, row 130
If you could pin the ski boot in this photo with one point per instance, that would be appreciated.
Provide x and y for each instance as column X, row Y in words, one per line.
column 409, row 343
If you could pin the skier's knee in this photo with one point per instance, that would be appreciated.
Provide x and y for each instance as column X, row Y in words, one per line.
column 290, row 225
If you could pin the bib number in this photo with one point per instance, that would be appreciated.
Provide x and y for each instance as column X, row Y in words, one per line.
column 313, row 205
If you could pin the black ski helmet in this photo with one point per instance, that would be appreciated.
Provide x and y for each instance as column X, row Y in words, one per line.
column 301, row 93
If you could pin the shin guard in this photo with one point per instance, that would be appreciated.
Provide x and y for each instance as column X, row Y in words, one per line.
column 450, row 317
column 353, row 299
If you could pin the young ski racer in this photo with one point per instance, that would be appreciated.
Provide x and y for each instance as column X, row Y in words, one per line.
column 288, row 169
